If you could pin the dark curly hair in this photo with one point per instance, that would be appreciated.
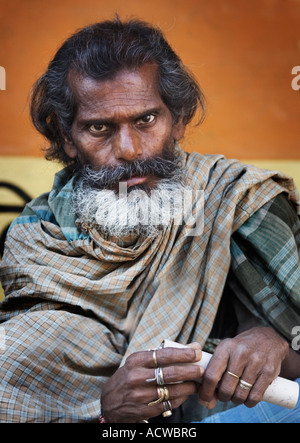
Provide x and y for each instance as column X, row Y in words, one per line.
column 99, row 51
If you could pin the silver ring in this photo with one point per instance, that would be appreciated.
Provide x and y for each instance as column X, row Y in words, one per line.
column 245, row 385
column 159, row 376
column 149, row 380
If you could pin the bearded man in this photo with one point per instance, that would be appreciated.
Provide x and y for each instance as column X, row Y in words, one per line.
column 138, row 242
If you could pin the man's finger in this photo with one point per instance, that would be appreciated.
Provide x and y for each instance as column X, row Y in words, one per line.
column 165, row 357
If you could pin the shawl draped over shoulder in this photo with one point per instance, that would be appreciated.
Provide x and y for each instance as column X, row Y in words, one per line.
column 76, row 305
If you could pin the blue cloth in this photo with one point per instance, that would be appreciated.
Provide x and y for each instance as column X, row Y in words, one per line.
column 261, row 413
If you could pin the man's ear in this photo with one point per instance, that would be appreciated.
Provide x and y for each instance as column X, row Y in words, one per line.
column 179, row 129
column 70, row 148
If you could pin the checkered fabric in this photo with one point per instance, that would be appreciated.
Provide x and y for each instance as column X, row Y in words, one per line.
column 77, row 305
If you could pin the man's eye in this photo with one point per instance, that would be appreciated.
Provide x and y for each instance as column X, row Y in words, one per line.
column 97, row 128
column 146, row 119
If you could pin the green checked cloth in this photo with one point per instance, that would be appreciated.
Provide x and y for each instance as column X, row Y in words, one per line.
column 77, row 305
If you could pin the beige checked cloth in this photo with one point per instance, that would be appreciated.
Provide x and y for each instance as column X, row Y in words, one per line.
column 76, row 305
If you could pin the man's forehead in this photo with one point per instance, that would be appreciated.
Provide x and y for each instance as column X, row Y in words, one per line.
column 142, row 78
column 127, row 92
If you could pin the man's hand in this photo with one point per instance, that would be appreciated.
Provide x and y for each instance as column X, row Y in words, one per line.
column 126, row 395
column 254, row 356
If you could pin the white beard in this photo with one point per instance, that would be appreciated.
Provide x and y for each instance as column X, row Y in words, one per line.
column 136, row 212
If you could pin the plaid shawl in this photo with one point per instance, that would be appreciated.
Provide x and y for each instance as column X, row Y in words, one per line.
column 77, row 305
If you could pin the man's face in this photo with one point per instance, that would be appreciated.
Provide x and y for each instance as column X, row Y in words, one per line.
column 121, row 120
column 123, row 135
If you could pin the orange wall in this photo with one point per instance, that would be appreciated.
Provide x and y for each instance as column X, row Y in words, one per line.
column 242, row 52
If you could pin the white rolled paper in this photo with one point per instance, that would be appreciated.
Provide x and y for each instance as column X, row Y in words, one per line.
column 281, row 392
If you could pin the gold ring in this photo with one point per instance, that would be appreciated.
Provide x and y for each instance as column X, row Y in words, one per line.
column 161, row 397
column 166, row 392
column 244, row 385
column 154, row 358
column 233, row 375
column 167, row 409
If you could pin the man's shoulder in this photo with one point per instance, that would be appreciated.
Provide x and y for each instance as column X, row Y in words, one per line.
column 198, row 160
column 34, row 211
column 40, row 208
column 202, row 168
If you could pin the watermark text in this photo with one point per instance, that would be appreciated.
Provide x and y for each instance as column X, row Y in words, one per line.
column 296, row 339
column 2, row 79
column 185, row 208
column 2, row 339
column 296, row 80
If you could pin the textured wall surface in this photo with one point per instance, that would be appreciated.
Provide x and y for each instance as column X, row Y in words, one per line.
column 241, row 51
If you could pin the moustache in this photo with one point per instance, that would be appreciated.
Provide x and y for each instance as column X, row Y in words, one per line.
column 167, row 166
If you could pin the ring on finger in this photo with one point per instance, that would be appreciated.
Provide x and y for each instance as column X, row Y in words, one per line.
column 233, row 375
column 245, row 385
column 166, row 392
column 161, row 397
column 167, row 409
column 155, row 378
column 158, row 377
column 154, row 358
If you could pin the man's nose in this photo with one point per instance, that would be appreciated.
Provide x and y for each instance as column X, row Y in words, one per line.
column 128, row 145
